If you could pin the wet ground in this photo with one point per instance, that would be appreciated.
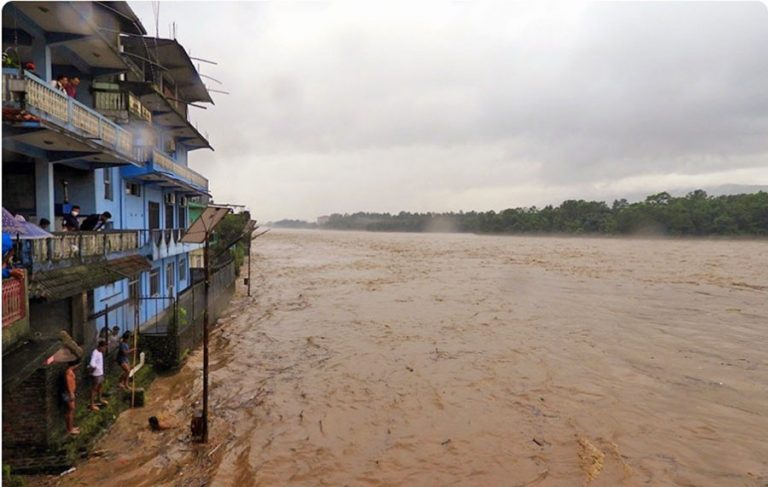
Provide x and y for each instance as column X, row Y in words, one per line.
column 435, row 359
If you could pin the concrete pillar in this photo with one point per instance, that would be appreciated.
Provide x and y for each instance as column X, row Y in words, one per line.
column 44, row 190
column 80, row 318
column 41, row 56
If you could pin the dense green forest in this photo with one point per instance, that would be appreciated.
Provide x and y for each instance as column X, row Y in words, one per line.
column 660, row 214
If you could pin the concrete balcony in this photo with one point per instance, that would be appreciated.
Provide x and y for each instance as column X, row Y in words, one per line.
column 163, row 170
column 75, row 248
column 111, row 100
column 43, row 120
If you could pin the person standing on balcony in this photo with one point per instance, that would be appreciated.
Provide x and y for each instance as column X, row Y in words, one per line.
column 71, row 223
column 96, row 368
column 94, row 223
column 60, row 83
column 8, row 270
column 45, row 224
column 71, row 87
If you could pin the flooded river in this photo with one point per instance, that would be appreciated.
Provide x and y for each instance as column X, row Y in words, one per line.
column 432, row 359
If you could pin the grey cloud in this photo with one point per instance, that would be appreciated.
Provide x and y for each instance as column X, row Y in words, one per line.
column 386, row 107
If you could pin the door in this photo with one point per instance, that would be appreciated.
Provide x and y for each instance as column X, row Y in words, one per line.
column 182, row 218
column 169, row 216
column 154, row 215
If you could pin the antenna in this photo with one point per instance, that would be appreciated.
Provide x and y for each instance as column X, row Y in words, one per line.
column 209, row 77
column 204, row 60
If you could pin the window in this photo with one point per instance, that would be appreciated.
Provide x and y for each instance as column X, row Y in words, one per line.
column 133, row 289
column 108, row 184
column 183, row 270
column 132, row 189
column 182, row 218
column 169, row 278
column 154, row 282
column 154, row 215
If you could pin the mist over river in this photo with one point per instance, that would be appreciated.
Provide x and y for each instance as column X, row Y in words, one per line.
column 456, row 359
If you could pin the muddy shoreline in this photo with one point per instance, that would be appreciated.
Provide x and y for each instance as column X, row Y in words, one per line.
column 434, row 359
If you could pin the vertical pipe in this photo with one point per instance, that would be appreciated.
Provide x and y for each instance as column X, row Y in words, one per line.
column 135, row 333
column 205, row 340
column 106, row 339
column 250, row 239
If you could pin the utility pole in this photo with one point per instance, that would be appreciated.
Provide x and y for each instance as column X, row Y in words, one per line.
column 250, row 239
column 200, row 233
column 206, row 266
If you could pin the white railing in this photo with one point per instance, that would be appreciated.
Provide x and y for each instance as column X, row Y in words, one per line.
column 109, row 135
column 164, row 162
column 47, row 99
column 86, row 121
column 62, row 109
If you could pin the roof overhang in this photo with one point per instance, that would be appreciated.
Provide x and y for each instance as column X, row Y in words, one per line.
column 165, row 113
column 45, row 139
column 69, row 281
column 71, row 29
column 175, row 62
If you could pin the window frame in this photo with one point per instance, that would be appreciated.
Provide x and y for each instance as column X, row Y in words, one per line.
column 182, row 269
column 109, row 193
column 170, row 276
column 154, row 282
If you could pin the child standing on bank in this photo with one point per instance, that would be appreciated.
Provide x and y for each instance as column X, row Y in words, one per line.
column 96, row 367
column 69, row 396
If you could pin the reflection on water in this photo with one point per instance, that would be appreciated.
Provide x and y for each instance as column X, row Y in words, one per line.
column 396, row 359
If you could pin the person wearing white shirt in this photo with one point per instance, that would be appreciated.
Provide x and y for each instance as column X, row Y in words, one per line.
column 96, row 369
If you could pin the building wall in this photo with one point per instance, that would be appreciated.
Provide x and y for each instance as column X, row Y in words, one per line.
column 80, row 188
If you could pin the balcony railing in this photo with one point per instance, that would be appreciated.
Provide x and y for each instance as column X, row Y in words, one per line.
column 14, row 301
column 81, row 247
column 55, row 106
column 163, row 163
column 112, row 101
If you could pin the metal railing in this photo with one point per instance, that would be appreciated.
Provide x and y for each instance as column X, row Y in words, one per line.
column 14, row 301
column 56, row 106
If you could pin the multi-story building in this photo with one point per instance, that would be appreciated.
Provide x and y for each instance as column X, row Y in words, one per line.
column 118, row 144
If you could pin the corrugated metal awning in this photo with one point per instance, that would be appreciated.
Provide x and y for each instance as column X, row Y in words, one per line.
column 63, row 283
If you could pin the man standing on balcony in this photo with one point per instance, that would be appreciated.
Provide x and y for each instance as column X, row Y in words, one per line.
column 71, row 87
column 94, row 223
column 71, row 223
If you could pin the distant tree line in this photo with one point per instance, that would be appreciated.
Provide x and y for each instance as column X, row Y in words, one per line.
column 693, row 214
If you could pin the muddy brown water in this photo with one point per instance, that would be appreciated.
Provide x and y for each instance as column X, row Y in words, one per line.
column 400, row 359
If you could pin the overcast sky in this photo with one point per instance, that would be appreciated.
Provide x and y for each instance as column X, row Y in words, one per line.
column 342, row 107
